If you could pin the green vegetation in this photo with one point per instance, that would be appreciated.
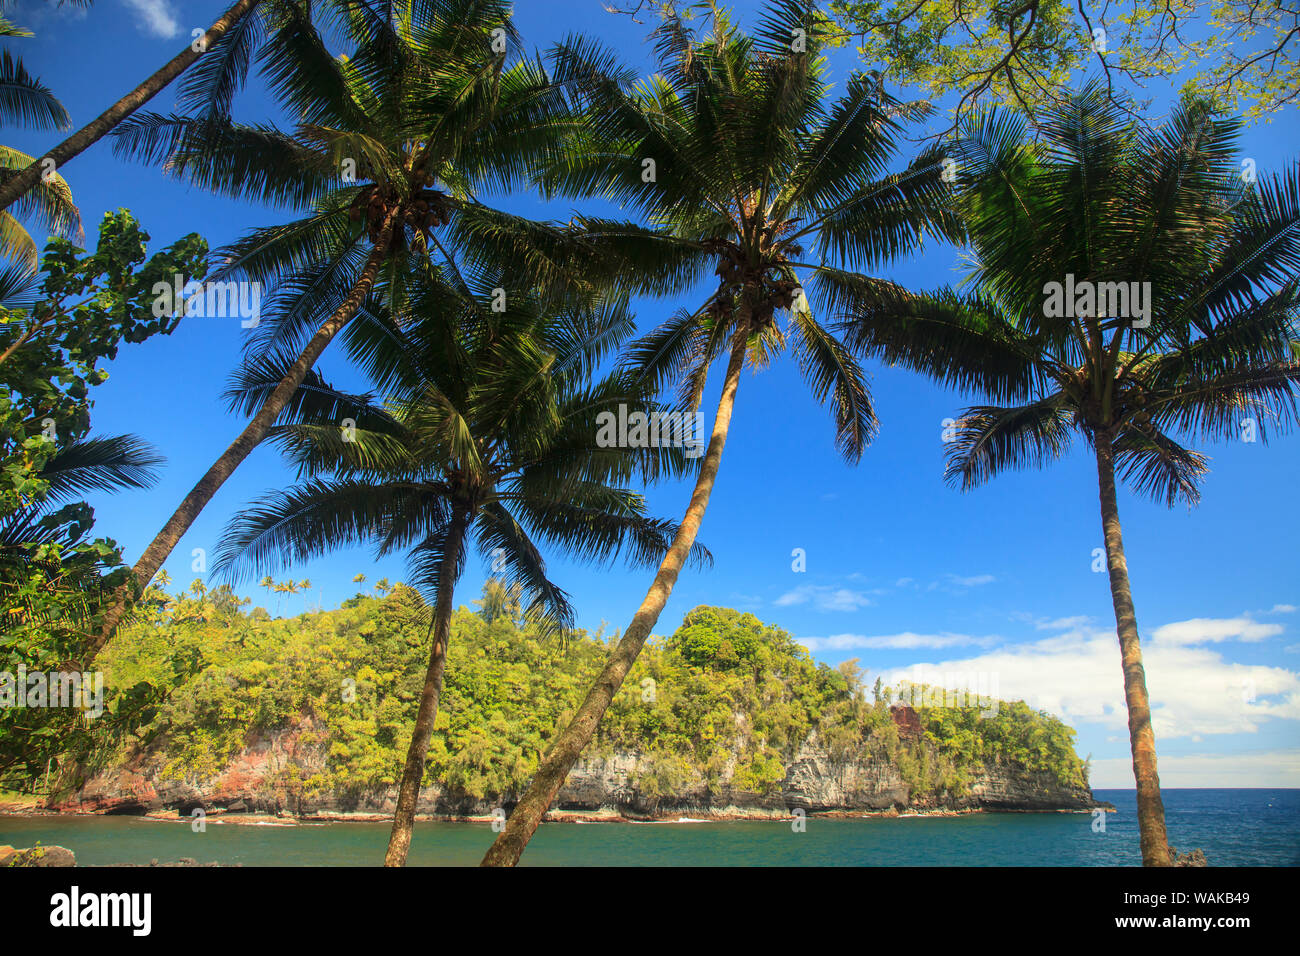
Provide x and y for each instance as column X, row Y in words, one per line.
column 27, row 102
column 1028, row 53
column 738, row 160
column 725, row 687
column 57, row 328
column 1207, row 351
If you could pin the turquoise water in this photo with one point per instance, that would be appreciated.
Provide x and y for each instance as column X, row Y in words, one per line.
column 1233, row 827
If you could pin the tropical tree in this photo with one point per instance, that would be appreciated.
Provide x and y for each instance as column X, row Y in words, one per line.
column 55, row 578
column 500, row 601
column 391, row 143
column 1022, row 53
column 485, row 439
column 737, row 162
column 1128, row 288
column 22, row 175
column 26, row 101
column 57, row 327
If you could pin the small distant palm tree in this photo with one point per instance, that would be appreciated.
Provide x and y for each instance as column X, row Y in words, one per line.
column 500, row 601
column 1095, row 200
column 487, row 441
column 282, row 588
column 741, row 167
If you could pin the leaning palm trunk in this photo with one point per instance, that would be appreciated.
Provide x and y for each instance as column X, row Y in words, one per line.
column 161, row 546
column 528, row 813
column 1150, row 808
column 91, row 133
column 399, row 841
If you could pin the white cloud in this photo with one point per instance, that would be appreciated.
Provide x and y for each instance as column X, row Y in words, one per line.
column 973, row 581
column 1279, row 768
column 156, row 17
column 1062, row 623
column 906, row 640
column 1077, row 675
column 1203, row 630
column 825, row 598
column 1283, row 609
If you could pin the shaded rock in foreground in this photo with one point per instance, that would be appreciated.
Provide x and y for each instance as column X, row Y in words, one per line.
column 1195, row 858
column 39, row 856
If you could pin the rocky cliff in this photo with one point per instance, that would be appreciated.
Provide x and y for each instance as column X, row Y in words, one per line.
column 268, row 777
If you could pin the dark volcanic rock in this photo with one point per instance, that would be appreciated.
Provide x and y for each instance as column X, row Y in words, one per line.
column 260, row 779
column 906, row 720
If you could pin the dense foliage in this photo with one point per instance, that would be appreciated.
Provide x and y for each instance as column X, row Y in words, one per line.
column 726, row 698
column 58, row 327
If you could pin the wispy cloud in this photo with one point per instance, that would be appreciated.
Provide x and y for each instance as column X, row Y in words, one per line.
column 1283, row 609
column 156, row 17
column 973, row 581
column 825, row 598
column 949, row 582
column 906, row 640
column 1062, row 623
column 1204, row 630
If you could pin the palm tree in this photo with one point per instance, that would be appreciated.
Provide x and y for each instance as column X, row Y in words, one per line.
column 392, row 142
column 35, row 539
column 500, row 601
column 37, row 174
column 282, row 588
column 737, row 162
column 1096, row 200
column 485, row 439
column 26, row 101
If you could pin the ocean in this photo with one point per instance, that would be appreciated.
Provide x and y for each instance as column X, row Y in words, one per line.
column 1233, row 827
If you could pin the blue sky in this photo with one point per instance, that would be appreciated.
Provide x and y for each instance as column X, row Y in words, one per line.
column 902, row 570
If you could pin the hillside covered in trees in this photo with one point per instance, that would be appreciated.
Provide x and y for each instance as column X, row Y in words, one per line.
column 724, row 709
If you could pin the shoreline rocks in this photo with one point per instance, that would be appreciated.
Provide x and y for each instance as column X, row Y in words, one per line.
column 263, row 785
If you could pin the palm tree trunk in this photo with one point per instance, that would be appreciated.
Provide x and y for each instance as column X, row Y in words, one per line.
column 408, row 794
column 1150, row 808
column 161, row 546
column 85, row 137
column 528, row 813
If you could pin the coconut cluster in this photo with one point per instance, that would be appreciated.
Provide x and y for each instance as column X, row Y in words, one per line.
column 769, row 287
column 425, row 210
